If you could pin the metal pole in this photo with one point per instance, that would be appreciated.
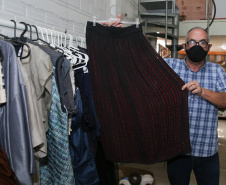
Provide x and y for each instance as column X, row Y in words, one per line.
column 174, row 53
column 208, row 22
column 166, row 22
column 206, row 9
column 10, row 24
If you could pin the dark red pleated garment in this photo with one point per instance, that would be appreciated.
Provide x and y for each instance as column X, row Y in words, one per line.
column 142, row 110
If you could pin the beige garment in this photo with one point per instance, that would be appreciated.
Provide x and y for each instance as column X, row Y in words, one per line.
column 39, row 68
column 37, row 129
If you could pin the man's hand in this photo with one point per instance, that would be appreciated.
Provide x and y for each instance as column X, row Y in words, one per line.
column 114, row 23
column 194, row 87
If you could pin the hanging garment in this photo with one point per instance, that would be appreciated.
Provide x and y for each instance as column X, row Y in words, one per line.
column 64, row 86
column 15, row 136
column 82, row 158
column 90, row 122
column 62, row 75
column 7, row 175
column 39, row 68
column 2, row 89
column 142, row 110
column 56, row 168
column 37, row 129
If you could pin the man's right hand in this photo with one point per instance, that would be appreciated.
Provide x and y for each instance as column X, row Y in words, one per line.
column 114, row 23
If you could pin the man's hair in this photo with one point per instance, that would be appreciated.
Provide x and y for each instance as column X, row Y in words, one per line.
column 208, row 36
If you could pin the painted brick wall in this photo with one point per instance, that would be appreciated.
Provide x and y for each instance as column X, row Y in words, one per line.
column 129, row 10
column 62, row 15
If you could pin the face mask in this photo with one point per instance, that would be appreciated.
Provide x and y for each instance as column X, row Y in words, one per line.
column 196, row 53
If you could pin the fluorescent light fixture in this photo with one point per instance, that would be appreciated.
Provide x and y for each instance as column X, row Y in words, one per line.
column 223, row 47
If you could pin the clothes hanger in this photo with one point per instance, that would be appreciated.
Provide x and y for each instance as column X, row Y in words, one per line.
column 14, row 28
column 40, row 41
column 22, row 38
column 30, row 31
column 72, row 53
column 53, row 44
column 83, row 42
column 76, row 41
column 67, row 53
column 58, row 38
column 47, row 36
column 36, row 31
column 65, row 39
column 81, row 57
column 54, row 37
column 51, row 37
column 43, row 39
column 18, row 43
column 70, row 43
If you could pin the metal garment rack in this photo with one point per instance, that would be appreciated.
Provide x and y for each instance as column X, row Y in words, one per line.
column 10, row 24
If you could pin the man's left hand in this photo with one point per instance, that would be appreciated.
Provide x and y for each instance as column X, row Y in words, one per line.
column 194, row 87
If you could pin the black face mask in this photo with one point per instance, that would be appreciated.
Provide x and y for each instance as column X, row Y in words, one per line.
column 196, row 53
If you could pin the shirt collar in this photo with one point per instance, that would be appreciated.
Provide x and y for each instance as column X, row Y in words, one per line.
column 202, row 68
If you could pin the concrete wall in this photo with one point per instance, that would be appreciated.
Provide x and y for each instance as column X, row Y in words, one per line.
column 60, row 15
column 64, row 15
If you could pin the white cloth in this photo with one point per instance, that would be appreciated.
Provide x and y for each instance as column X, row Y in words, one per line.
column 124, row 182
column 146, row 179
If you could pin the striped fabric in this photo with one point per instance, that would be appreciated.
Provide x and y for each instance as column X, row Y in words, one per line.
column 142, row 110
column 203, row 116
column 56, row 168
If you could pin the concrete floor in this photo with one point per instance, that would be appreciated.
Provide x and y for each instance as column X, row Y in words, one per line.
column 159, row 169
column 160, row 174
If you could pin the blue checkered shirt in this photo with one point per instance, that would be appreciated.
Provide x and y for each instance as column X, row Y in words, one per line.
column 203, row 116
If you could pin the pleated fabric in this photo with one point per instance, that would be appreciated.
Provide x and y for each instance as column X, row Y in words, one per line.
column 142, row 110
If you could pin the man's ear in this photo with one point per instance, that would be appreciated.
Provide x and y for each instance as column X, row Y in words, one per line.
column 184, row 46
column 210, row 45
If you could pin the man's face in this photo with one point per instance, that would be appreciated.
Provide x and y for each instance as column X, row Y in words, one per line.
column 197, row 37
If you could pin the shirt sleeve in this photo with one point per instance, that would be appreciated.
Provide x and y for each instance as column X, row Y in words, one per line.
column 221, row 80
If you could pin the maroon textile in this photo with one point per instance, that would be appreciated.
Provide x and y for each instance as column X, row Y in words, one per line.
column 7, row 176
column 142, row 110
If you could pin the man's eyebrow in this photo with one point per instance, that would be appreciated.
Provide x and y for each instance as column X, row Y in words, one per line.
column 199, row 40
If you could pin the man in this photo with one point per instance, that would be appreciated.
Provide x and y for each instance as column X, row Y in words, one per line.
column 206, row 83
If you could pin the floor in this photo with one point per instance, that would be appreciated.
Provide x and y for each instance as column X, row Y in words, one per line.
column 159, row 169
column 160, row 175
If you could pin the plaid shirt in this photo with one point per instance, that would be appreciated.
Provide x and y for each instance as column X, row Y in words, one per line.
column 203, row 116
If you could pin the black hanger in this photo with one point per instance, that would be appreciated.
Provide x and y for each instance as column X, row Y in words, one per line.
column 4, row 36
column 30, row 31
column 14, row 28
column 22, row 38
column 38, row 36
column 17, row 43
column 36, row 30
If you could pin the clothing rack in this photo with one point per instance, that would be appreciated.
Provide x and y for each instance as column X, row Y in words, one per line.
column 10, row 24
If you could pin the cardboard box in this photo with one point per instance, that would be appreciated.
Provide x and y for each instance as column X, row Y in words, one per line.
column 193, row 9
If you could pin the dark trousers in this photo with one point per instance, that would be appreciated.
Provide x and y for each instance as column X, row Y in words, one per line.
column 206, row 170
